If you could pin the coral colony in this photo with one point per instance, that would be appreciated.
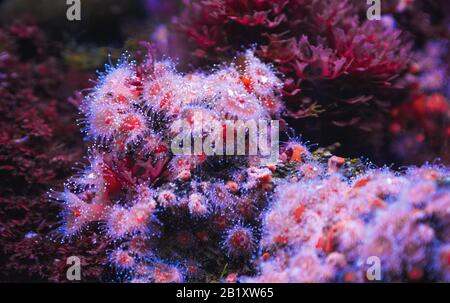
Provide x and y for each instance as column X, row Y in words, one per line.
column 304, row 216
column 144, row 195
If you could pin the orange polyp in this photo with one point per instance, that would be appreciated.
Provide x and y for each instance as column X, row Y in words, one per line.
column 259, row 72
column 281, row 240
column 76, row 212
column 395, row 127
column 161, row 148
column 202, row 236
column 97, row 210
column 136, row 92
column 419, row 105
column 349, row 277
column 362, row 182
column 232, row 186
column 201, row 157
column 272, row 167
column 238, row 240
column 240, row 100
column 165, row 100
column 298, row 213
column 265, row 178
column 432, row 175
column 320, row 245
column 130, row 123
column 265, row 256
column 329, row 247
column 192, row 269
column 338, row 209
column 124, row 259
column 414, row 68
column 378, row 203
column 437, row 103
column 108, row 117
column 121, row 99
column 415, row 274
column 448, row 258
column 190, row 119
column 161, row 276
column 231, row 278
column 297, row 152
column 154, row 90
column 184, row 239
column 140, row 217
column 247, row 82
column 220, row 222
column 245, row 209
column 325, row 242
column 335, row 162
column 268, row 102
column 108, row 120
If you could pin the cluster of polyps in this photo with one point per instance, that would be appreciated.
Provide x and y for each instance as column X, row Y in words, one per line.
column 141, row 196
column 170, row 218
column 329, row 228
column 119, row 105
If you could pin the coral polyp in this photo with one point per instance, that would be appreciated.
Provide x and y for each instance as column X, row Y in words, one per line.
column 239, row 241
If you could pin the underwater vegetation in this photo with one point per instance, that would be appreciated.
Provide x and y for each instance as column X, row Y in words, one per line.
column 39, row 145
